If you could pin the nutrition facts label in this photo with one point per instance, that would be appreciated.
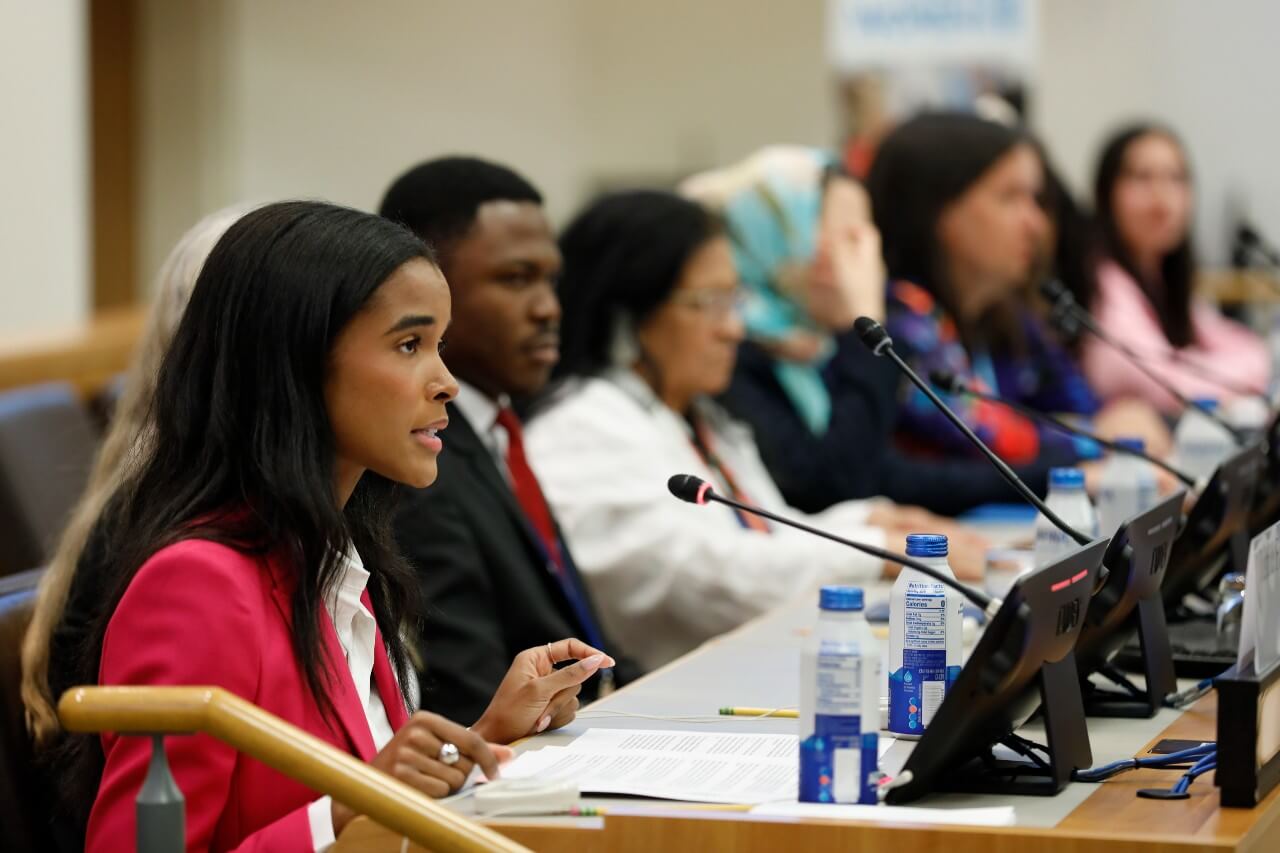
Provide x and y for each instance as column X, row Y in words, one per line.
column 839, row 679
column 931, row 695
column 925, row 617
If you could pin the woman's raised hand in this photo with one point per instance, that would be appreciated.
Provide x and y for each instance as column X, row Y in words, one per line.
column 535, row 696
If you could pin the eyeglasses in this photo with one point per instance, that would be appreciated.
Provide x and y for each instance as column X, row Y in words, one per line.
column 1151, row 177
column 716, row 304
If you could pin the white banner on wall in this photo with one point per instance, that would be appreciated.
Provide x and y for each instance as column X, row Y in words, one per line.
column 877, row 34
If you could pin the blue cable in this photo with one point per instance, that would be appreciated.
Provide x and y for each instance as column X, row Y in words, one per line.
column 1204, row 765
column 1186, row 697
column 1106, row 771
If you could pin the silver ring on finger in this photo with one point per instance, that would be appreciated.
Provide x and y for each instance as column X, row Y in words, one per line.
column 449, row 754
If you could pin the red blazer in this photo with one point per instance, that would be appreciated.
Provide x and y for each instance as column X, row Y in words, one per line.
column 200, row 613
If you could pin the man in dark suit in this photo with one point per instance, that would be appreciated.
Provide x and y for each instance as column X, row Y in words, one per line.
column 496, row 574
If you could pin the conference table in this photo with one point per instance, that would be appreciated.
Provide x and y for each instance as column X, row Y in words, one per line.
column 757, row 665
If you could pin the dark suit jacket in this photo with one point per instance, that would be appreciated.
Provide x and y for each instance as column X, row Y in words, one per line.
column 488, row 590
column 856, row 457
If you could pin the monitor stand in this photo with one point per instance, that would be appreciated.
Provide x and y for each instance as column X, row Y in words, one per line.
column 1068, row 744
column 1157, row 670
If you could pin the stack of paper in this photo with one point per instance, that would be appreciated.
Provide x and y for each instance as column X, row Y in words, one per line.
column 709, row 768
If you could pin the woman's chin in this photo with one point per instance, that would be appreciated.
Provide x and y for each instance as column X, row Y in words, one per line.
column 421, row 478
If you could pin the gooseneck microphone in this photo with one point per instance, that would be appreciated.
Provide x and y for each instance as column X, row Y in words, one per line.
column 1250, row 244
column 695, row 490
column 952, row 384
column 1066, row 313
column 876, row 339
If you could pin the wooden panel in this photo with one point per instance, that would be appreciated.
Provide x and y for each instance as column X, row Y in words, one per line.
column 113, row 87
column 88, row 354
column 710, row 833
column 1235, row 287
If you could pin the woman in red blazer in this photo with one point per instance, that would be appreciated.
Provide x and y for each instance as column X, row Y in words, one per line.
column 250, row 546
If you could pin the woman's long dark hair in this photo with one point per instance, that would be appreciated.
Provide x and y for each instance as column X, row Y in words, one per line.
column 922, row 166
column 241, row 450
column 623, row 256
column 1074, row 261
column 1171, row 295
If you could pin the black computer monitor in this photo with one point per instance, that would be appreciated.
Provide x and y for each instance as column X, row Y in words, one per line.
column 1130, row 599
column 1023, row 660
column 1266, row 501
column 1217, row 530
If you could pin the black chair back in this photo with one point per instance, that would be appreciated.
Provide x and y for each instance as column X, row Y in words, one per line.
column 47, row 442
column 26, row 813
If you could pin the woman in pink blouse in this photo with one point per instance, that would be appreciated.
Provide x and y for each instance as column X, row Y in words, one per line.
column 1146, row 281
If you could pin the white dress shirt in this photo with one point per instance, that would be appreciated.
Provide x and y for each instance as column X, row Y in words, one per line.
column 357, row 634
column 667, row 575
column 481, row 412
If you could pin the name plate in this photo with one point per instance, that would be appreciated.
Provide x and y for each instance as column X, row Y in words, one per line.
column 1248, row 735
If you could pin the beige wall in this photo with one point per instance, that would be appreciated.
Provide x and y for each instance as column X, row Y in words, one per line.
column 261, row 101
column 249, row 100
column 44, row 235
column 675, row 86
column 1205, row 68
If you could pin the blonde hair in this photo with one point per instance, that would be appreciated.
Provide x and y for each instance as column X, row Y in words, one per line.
column 130, row 430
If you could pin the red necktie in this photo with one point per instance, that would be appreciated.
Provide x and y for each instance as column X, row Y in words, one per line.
column 528, row 492
column 534, row 503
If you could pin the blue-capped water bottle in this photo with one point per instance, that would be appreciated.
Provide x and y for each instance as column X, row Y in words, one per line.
column 1200, row 443
column 1128, row 487
column 1070, row 502
column 839, row 703
column 926, row 619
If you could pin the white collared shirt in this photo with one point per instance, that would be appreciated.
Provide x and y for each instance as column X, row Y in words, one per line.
column 481, row 411
column 665, row 575
column 357, row 634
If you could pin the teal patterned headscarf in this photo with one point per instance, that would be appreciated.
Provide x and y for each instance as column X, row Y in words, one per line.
column 771, row 204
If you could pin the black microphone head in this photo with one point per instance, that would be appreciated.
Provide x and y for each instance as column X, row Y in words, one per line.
column 947, row 381
column 1055, row 291
column 689, row 488
column 872, row 334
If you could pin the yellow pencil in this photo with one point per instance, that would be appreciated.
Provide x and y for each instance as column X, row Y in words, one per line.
column 782, row 713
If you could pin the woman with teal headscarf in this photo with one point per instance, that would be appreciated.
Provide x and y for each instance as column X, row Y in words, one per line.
column 809, row 259
column 822, row 407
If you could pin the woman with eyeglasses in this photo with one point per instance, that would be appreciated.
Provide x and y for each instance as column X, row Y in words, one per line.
column 649, row 336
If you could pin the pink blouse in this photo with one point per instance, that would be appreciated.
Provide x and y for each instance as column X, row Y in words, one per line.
column 1222, row 346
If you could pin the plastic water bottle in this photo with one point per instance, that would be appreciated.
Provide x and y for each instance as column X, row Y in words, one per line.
column 925, row 623
column 1067, row 498
column 1200, row 442
column 839, row 703
column 1128, row 487
column 1249, row 414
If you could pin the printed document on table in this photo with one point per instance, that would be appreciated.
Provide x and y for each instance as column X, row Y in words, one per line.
column 709, row 768
column 672, row 765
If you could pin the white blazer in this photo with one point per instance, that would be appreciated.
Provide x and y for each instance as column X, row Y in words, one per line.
column 667, row 575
